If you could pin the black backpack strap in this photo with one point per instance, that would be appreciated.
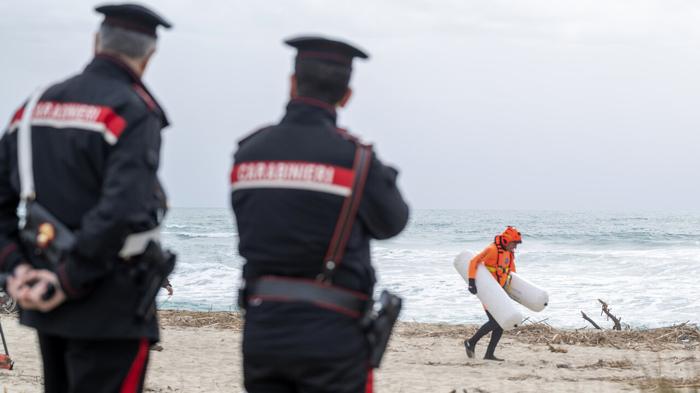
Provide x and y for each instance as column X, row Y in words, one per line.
column 348, row 213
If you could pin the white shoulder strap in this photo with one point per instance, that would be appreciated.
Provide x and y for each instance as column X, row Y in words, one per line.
column 24, row 148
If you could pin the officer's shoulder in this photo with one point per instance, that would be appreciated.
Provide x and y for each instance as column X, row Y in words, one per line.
column 144, row 97
column 51, row 90
column 253, row 134
column 120, row 94
column 345, row 135
column 142, row 101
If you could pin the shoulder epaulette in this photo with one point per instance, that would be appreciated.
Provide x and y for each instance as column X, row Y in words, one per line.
column 347, row 135
column 147, row 99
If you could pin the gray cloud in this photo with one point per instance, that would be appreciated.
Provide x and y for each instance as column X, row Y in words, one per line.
column 482, row 104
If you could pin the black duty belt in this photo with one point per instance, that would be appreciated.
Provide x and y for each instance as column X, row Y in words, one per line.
column 287, row 289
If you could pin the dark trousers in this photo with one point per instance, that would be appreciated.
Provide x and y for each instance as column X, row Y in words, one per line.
column 93, row 366
column 272, row 374
column 496, row 333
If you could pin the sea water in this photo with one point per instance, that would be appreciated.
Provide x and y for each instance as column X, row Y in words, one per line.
column 645, row 265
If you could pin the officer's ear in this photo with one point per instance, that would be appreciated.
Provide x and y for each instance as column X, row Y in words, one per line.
column 146, row 59
column 293, row 92
column 96, row 43
column 344, row 101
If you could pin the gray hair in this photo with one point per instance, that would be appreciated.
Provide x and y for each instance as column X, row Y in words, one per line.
column 128, row 43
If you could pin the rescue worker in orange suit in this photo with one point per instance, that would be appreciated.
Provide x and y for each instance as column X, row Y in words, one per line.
column 499, row 259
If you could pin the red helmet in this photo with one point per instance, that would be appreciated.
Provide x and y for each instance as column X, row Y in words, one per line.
column 510, row 235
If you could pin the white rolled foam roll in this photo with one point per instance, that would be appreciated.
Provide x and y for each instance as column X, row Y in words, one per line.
column 492, row 296
column 527, row 293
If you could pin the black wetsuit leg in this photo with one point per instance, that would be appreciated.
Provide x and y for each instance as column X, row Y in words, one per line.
column 489, row 327
column 495, row 337
column 485, row 329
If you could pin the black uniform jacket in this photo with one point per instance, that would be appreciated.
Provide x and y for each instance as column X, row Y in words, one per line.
column 288, row 184
column 95, row 146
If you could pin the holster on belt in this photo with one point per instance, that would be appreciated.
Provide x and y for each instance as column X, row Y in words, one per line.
column 378, row 323
column 152, row 270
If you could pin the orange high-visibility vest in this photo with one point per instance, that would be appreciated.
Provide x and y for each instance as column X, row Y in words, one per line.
column 499, row 262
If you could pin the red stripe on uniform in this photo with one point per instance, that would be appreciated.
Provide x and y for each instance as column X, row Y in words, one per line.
column 303, row 175
column 138, row 367
column 292, row 170
column 75, row 115
column 150, row 102
column 369, row 387
column 113, row 122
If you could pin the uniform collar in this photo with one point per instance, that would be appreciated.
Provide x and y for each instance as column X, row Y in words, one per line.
column 114, row 67
column 309, row 110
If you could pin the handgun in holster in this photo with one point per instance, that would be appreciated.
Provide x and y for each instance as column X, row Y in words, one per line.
column 154, row 267
column 379, row 323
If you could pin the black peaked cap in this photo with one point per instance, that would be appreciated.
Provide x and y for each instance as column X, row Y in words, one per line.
column 315, row 47
column 134, row 17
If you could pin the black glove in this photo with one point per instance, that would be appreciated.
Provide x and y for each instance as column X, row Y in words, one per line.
column 472, row 286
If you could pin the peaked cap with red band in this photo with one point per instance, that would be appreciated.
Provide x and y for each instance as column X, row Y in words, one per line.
column 133, row 17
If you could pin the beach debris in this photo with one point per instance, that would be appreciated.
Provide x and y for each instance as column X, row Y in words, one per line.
column 587, row 318
column 556, row 349
column 202, row 319
column 606, row 310
column 689, row 358
column 7, row 304
column 652, row 339
column 534, row 333
column 523, row 377
column 670, row 384
column 563, row 365
column 623, row 364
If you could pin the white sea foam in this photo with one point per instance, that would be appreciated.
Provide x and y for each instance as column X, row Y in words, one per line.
column 644, row 265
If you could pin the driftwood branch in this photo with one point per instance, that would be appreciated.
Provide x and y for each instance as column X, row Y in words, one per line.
column 606, row 311
column 595, row 325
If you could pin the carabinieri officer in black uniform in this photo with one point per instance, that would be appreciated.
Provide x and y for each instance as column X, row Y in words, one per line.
column 95, row 142
column 289, row 184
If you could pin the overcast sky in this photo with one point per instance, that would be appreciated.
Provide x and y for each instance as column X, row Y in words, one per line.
column 520, row 104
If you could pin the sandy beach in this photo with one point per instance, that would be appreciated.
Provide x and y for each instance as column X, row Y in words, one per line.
column 202, row 354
